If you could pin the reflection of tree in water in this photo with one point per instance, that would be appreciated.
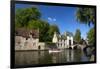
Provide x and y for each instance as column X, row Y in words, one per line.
column 77, row 56
column 89, row 51
column 43, row 57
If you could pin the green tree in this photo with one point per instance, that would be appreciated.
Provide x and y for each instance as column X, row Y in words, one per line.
column 86, row 15
column 52, row 28
column 43, row 27
column 91, row 36
column 30, row 18
column 77, row 36
column 23, row 16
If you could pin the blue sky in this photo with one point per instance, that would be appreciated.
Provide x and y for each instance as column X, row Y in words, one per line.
column 63, row 17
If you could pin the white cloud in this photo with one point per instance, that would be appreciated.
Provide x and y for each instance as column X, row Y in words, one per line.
column 54, row 19
column 51, row 19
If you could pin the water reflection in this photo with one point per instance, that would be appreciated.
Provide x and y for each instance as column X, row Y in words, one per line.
column 44, row 57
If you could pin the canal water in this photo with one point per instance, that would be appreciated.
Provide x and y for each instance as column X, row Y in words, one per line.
column 44, row 57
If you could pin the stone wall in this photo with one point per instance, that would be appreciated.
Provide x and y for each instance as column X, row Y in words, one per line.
column 21, row 43
column 42, row 46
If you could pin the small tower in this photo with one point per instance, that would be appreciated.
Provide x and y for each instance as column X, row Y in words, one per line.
column 55, row 39
column 65, row 34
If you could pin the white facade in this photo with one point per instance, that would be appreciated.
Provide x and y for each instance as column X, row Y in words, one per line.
column 64, row 42
column 55, row 39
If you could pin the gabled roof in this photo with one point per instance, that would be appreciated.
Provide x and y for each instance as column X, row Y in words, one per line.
column 64, row 36
column 61, row 36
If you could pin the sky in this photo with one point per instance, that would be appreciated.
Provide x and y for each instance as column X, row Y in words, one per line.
column 63, row 16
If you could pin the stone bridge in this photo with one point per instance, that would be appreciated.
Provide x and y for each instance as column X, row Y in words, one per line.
column 77, row 46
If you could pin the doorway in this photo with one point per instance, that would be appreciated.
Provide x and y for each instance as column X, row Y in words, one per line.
column 39, row 47
column 70, row 42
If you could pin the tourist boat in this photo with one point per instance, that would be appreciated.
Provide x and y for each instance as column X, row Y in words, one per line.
column 55, row 51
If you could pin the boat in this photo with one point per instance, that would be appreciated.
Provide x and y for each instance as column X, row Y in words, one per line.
column 55, row 51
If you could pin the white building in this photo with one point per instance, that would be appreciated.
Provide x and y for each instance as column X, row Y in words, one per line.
column 63, row 41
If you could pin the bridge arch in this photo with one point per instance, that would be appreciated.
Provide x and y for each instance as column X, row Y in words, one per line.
column 77, row 47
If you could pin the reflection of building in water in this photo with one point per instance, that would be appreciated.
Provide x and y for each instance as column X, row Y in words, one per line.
column 70, row 55
column 26, row 58
column 54, row 59
column 63, row 57
column 63, row 41
column 30, row 57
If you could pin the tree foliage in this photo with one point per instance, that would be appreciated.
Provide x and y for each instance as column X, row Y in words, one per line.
column 43, row 27
column 23, row 16
column 91, row 36
column 77, row 36
column 30, row 18
column 86, row 15
column 52, row 28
